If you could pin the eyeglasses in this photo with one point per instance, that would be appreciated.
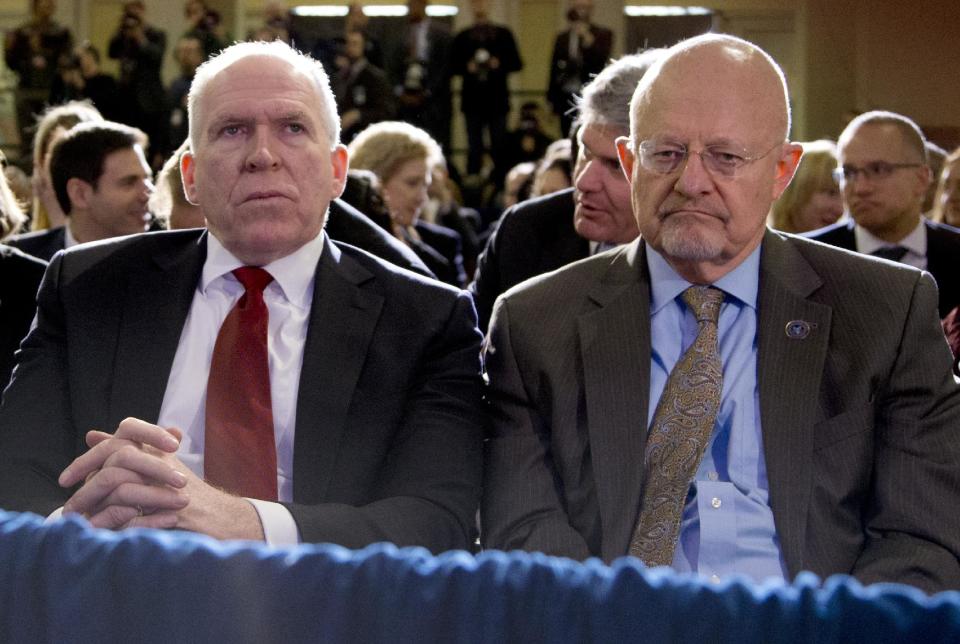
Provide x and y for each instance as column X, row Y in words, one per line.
column 665, row 157
column 871, row 172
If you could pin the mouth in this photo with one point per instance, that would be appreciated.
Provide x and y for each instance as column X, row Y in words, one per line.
column 695, row 212
column 263, row 195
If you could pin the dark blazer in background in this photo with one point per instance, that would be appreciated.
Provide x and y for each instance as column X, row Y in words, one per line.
column 943, row 255
column 440, row 248
column 533, row 237
column 388, row 420
column 368, row 91
column 20, row 276
column 42, row 244
column 860, row 419
column 348, row 225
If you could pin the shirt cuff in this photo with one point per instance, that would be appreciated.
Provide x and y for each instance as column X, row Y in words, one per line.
column 279, row 528
column 53, row 516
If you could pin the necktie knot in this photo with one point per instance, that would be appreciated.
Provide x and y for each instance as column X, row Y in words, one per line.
column 893, row 253
column 704, row 302
column 253, row 278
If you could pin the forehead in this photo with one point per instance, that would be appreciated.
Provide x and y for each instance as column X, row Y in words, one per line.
column 258, row 83
column 125, row 161
column 600, row 139
column 708, row 98
column 874, row 142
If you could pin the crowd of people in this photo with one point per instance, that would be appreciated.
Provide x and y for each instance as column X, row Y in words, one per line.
column 653, row 351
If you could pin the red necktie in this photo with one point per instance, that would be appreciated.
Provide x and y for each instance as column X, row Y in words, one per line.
column 239, row 452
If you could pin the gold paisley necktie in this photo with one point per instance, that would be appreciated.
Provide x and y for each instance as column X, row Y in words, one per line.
column 680, row 432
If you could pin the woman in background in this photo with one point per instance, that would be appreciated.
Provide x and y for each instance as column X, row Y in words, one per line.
column 20, row 276
column 946, row 203
column 812, row 200
column 403, row 157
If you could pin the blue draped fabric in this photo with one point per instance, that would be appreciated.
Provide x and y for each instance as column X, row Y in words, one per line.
column 65, row 582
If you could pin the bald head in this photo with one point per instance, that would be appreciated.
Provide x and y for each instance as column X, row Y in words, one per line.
column 708, row 153
column 719, row 71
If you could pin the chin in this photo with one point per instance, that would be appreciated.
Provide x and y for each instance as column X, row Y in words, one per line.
column 690, row 244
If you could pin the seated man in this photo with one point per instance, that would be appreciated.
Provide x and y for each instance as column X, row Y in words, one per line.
column 102, row 182
column 715, row 396
column 257, row 381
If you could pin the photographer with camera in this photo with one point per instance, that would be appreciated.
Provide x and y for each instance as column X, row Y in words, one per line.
column 484, row 55
column 140, row 47
column 579, row 53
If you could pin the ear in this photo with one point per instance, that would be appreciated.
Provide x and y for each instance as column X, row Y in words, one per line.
column 79, row 192
column 625, row 154
column 187, row 174
column 786, row 167
column 340, row 162
column 924, row 177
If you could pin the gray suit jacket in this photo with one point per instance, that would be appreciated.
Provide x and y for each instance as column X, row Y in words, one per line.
column 860, row 419
column 388, row 422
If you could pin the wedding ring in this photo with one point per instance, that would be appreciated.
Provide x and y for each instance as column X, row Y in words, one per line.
column 139, row 510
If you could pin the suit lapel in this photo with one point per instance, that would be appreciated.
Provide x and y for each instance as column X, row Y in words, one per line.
column 788, row 372
column 157, row 299
column 615, row 350
column 342, row 321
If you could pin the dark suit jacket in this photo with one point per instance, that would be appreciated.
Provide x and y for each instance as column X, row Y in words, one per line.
column 533, row 237
column 369, row 92
column 563, row 69
column 42, row 244
column 388, row 425
column 859, row 420
column 20, row 277
column 440, row 249
column 943, row 253
column 347, row 224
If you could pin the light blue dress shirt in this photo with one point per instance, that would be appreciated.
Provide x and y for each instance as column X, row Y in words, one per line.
column 727, row 522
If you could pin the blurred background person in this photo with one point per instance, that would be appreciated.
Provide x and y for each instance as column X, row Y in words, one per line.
column 139, row 48
column 813, row 199
column 168, row 203
column 361, row 88
column 946, row 203
column 33, row 50
column 579, row 54
column 518, row 184
column 417, row 62
column 555, row 170
column 936, row 158
column 81, row 78
column 189, row 55
column 51, row 126
column 20, row 277
column 402, row 156
column 484, row 55
column 204, row 24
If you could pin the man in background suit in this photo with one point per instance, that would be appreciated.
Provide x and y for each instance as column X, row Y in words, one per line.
column 102, row 182
column 579, row 54
column 884, row 176
column 366, row 442
column 831, row 446
column 551, row 231
column 417, row 62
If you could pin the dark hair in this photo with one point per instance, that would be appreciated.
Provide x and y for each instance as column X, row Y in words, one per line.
column 82, row 151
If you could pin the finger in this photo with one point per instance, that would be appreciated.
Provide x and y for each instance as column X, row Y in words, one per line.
column 148, row 466
column 117, row 485
column 158, row 520
column 141, row 431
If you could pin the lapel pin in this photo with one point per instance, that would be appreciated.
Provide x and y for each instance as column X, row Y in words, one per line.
column 797, row 329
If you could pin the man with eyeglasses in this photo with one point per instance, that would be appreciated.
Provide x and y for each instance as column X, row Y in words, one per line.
column 884, row 175
column 718, row 397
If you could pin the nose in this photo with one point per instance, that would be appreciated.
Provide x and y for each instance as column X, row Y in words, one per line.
column 261, row 155
column 589, row 179
column 694, row 178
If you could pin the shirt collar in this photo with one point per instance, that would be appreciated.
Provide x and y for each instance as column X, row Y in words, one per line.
column 665, row 284
column 293, row 273
column 915, row 242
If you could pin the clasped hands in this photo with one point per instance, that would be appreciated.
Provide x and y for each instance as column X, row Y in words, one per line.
column 133, row 478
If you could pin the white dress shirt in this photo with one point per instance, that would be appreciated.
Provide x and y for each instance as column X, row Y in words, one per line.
column 289, row 298
column 915, row 243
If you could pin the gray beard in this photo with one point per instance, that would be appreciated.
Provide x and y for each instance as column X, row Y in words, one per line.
column 681, row 241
